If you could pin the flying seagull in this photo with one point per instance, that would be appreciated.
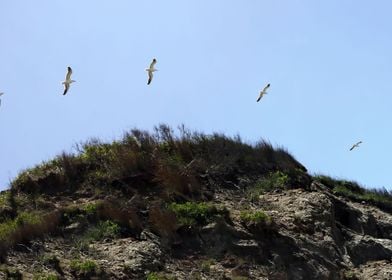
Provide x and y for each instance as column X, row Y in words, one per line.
column 67, row 83
column 356, row 145
column 264, row 91
column 1, row 93
column 151, row 70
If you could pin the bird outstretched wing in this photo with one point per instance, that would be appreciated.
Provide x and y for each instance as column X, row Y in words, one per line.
column 266, row 87
column 66, row 88
column 69, row 73
column 355, row 145
column 153, row 63
column 150, row 75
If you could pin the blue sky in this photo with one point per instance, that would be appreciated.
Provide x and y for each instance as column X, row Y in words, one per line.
column 329, row 65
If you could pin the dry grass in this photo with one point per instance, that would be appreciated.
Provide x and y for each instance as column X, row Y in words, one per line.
column 382, row 198
column 142, row 159
column 170, row 166
column 26, row 227
column 163, row 222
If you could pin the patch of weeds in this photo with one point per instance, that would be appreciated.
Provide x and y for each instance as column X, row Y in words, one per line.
column 72, row 214
column 275, row 180
column 25, row 227
column 257, row 221
column 255, row 217
column 84, row 267
column 194, row 213
column 104, row 229
column 25, row 218
column 92, row 208
column 352, row 190
column 43, row 203
column 350, row 275
column 8, row 228
column 206, row 265
column 51, row 261
column 325, row 180
column 97, row 153
column 81, row 245
column 41, row 178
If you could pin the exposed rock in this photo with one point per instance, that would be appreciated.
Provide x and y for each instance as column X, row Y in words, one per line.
column 313, row 234
column 129, row 258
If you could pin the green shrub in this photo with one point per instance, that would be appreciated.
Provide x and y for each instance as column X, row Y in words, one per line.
column 350, row 275
column 51, row 261
column 91, row 208
column 83, row 267
column 194, row 213
column 352, row 190
column 206, row 265
column 104, row 229
column 273, row 181
column 255, row 217
column 8, row 228
column 26, row 226
column 25, row 218
column 49, row 171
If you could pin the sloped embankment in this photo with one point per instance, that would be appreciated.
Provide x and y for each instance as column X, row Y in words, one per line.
column 190, row 207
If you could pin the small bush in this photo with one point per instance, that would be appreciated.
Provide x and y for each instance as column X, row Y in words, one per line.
column 206, row 265
column 84, row 267
column 24, row 219
column 27, row 226
column 48, row 177
column 276, row 180
column 51, row 261
column 173, row 175
column 255, row 217
column 92, row 208
column 104, row 229
column 193, row 213
column 163, row 221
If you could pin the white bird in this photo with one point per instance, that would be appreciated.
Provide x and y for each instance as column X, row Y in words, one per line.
column 355, row 145
column 67, row 83
column 264, row 91
column 151, row 70
column 1, row 93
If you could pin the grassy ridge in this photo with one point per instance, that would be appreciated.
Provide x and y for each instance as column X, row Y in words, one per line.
column 176, row 171
column 173, row 166
column 160, row 158
column 381, row 198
